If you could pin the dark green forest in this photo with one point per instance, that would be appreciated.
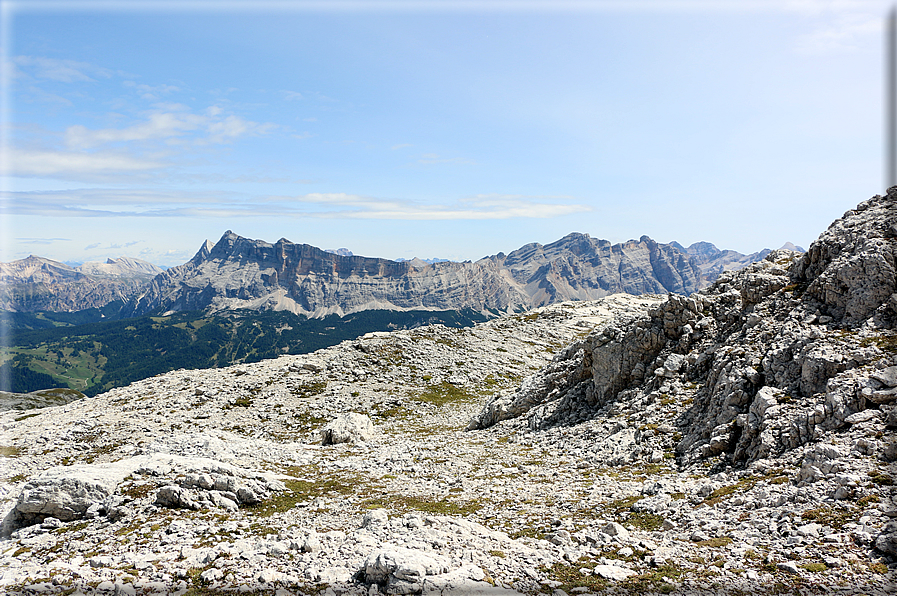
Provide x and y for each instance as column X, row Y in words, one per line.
column 91, row 352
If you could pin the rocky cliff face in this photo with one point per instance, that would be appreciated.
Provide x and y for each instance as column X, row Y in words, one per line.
column 36, row 283
column 242, row 273
column 768, row 359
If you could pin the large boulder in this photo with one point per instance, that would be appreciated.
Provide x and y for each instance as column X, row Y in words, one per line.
column 67, row 492
column 348, row 428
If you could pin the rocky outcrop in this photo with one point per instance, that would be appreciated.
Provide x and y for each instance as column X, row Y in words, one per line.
column 242, row 273
column 36, row 283
column 68, row 493
column 767, row 359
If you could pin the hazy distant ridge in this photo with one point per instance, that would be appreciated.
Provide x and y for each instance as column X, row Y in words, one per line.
column 36, row 283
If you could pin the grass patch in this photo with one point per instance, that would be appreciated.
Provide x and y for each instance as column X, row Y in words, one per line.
column 527, row 532
column 444, row 393
column 308, row 389
column 621, row 505
column 887, row 343
column 880, row 478
column 723, row 492
column 137, row 491
column 715, row 542
column 407, row 503
column 300, row 490
column 10, row 451
column 835, row 517
column 814, row 567
column 879, row 568
column 868, row 500
column 571, row 577
column 650, row 522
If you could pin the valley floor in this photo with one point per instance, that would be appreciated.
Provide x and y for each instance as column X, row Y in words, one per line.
column 212, row 481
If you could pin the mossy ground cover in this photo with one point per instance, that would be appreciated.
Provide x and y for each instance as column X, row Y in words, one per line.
column 444, row 393
column 306, row 484
column 407, row 503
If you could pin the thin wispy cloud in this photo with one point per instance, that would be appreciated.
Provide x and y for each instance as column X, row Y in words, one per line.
column 151, row 144
column 211, row 127
column 112, row 246
column 150, row 92
column 41, row 240
column 124, row 203
column 63, row 71
column 71, row 165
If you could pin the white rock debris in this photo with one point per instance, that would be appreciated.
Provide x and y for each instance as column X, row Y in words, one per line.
column 740, row 440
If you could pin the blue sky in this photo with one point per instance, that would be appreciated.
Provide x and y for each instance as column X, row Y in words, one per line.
column 434, row 129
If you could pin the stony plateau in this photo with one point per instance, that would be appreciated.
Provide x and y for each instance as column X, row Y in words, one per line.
column 737, row 440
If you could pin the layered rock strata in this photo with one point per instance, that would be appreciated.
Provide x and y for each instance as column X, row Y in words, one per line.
column 241, row 273
column 36, row 283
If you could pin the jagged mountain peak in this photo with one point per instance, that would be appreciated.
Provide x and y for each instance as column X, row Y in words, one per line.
column 791, row 246
column 244, row 273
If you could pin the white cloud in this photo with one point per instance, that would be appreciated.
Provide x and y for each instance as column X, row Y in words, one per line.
column 145, row 203
column 291, row 95
column 232, row 127
column 65, row 71
column 76, row 166
column 170, row 125
column 41, row 240
column 158, row 126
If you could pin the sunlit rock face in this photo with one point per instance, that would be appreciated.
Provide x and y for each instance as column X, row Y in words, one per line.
column 242, row 273
column 36, row 283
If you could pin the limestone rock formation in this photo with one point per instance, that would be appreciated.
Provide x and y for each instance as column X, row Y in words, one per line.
column 242, row 273
column 36, row 283
column 351, row 427
column 768, row 358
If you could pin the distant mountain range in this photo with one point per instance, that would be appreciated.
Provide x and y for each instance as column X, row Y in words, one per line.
column 36, row 283
column 241, row 273
column 713, row 261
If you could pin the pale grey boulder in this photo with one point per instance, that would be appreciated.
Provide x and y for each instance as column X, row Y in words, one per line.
column 613, row 572
column 887, row 540
column 67, row 492
column 402, row 570
column 350, row 427
column 64, row 497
